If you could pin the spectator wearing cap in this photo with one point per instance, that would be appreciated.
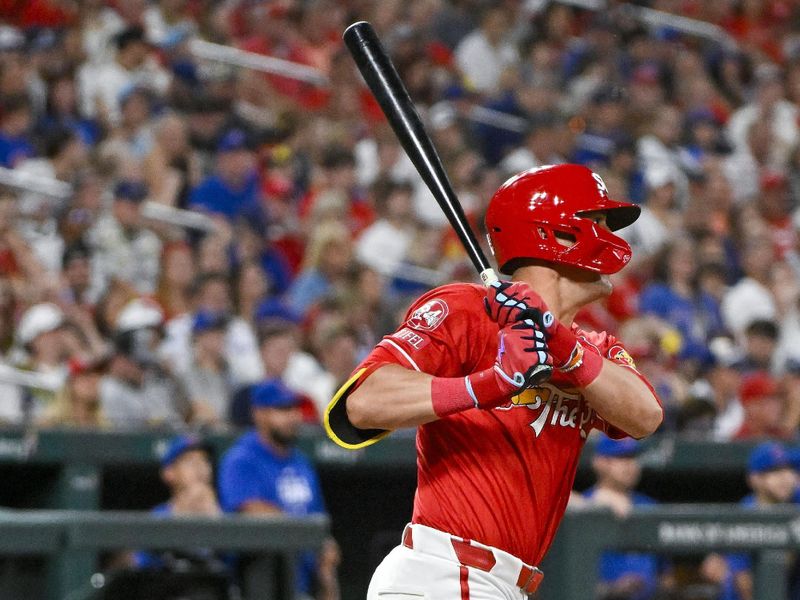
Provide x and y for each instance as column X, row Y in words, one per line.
column 101, row 85
column 763, row 405
column 186, row 470
column 208, row 381
column 630, row 575
column 40, row 336
column 775, row 207
column 123, row 248
column 136, row 392
column 264, row 473
column 233, row 189
column 211, row 292
column 725, row 379
column 773, row 482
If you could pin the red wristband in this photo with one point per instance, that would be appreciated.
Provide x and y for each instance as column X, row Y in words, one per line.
column 583, row 367
column 483, row 389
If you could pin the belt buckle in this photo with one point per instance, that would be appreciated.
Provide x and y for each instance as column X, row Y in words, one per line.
column 533, row 581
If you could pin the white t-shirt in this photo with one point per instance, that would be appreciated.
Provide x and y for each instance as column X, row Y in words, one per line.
column 481, row 63
column 383, row 246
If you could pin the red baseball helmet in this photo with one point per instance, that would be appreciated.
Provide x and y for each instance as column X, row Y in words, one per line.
column 540, row 214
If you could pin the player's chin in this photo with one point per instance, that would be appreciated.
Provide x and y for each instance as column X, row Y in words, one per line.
column 604, row 285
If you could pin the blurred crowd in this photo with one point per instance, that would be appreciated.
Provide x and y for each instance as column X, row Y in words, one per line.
column 312, row 230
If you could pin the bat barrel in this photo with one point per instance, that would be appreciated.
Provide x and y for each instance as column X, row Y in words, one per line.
column 375, row 66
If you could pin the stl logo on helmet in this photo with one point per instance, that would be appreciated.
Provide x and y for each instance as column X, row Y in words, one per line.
column 601, row 185
column 429, row 316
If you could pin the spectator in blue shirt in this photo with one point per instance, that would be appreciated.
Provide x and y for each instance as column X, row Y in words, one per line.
column 676, row 299
column 15, row 126
column 264, row 473
column 771, row 477
column 186, row 471
column 233, row 189
column 623, row 575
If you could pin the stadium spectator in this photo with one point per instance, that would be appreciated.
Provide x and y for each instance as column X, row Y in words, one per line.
column 625, row 575
column 211, row 292
column 486, row 52
column 772, row 481
column 77, row 403
column 15, row 125
column 123, row 248
column 760, row 342
column 324, row 268
column 264, row 473
column 750, row 298
column 103, row 84
column 207, row 380
column 384, row 244
column 186, row 470
column 40, row 337
column 233, row 189
column 137, row 391
column 763, row 405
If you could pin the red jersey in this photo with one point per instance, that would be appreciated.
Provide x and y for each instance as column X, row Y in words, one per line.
column 501, row 477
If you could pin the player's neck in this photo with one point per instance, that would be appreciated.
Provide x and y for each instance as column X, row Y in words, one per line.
column 564, row 295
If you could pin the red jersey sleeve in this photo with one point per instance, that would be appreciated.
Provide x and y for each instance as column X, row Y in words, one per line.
column 445, row 333
column 611, row 348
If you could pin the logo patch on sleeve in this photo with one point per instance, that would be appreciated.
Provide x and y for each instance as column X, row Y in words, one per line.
column 621, row 356
column 429, row 316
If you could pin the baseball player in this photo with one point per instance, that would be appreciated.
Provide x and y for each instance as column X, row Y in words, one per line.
column 498, row 447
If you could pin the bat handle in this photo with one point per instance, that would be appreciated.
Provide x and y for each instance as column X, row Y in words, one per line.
column 489, row 276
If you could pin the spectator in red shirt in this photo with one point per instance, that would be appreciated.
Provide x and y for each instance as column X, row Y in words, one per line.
column 763, row 408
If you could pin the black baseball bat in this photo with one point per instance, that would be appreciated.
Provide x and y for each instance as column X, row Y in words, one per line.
column 386, row 86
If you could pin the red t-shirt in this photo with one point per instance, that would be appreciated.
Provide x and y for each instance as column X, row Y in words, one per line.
column 501, row 477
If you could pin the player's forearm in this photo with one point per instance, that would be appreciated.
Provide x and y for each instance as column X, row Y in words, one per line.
column 390, row 398
column 621, row 397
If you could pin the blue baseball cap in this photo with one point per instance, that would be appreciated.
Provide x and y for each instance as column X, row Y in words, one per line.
column 624, row 448
column 235, row 139
column 206, row 320
column 768, row 456
column 273, row 394
column 180, row 446
column 134, row 191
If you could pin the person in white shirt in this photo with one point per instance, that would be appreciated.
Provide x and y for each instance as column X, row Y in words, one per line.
column 212, row 292
column 384, row 244
column 750, row 299
column 122, row 248
column 485, row 53
column 101, row 85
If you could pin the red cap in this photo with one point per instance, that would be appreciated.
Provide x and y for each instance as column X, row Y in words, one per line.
column 756, row 387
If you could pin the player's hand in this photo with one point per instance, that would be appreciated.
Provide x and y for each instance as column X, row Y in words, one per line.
column 523, row 359
column 505, row 301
